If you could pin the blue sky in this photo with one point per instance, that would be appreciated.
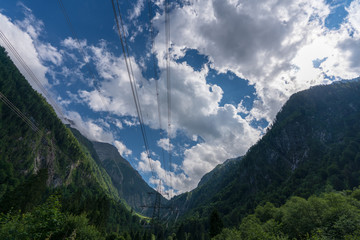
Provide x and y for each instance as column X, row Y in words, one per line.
column 233, row 64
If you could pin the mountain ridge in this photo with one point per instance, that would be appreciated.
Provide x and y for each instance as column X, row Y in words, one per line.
column 313, row 145
column 132, row 187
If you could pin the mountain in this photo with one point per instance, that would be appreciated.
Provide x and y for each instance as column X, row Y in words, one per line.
column 313, row 146
column 128, row 182
column 218, row 172
column 56, row 186
column 45, row 162
column 126, row 179
column 209, row 183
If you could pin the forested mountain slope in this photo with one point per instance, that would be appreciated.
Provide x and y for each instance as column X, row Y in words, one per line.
column 313, row 145
column 331, row 215
column 128, row 182
column 209, row 184
column 35, row 165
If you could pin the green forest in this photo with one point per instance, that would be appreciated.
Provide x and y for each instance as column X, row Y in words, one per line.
column 332, row 215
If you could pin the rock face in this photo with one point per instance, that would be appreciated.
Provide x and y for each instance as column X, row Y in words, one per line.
column 126, row 179
column 313, row 145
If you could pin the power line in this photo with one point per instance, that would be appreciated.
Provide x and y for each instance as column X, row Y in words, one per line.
column 131, row 78
column 18, row 113
column 168, row 81
column 82, row 52
column 128, row 66
column 156, row 79
column 24, row 118
column 131, row 69
column 73, row 32
column 30, row 73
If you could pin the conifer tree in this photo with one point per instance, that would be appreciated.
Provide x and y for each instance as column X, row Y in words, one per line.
column 216, row 224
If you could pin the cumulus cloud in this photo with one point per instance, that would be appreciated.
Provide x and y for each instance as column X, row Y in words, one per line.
column 118, row 124
column 72, row 43
column 259, row 41
column 38, row 55
column 30, row 24
column 353, row 17
column 165, row 144
column 270, row 43
column 35, row 27
column 273, row 44
column 195, row 112
column 254, row 39
column 131, row 123
column 167, row 178
column 23, row 43
column 123, row 150
column 49, row 53
column 95, row 130
column 92, row 130
column 138, row 8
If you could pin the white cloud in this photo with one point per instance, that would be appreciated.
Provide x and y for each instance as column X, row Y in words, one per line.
column 195, row 112
column 138, row 8
column 131, row 123
column 241, row 108
column 118, row 124
column 89, row 128
column 49, row 53
column 97, row 101
column 354, row 17
column 63, row 102
column 23, row 36
column 254, row 39
column 270, row 43
column 146, row 164
column 35, row 27
column 165, row 144
column 72, row 43
column 158, row 171
column 123, row 150
column 30, row 24
column 23, row 43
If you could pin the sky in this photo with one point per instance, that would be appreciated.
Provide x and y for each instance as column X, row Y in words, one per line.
column 232, row 65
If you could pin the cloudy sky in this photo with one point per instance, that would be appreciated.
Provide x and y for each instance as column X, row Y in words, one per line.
column 232, row 65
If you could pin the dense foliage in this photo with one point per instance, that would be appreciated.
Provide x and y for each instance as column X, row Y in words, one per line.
column 334, row 215
column 46, row 221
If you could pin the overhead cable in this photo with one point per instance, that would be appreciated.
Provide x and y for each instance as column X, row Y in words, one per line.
column 31, row 74
column 82, row 52
column 168, row 81
column 18, row 112
column 117, row 15
column 156, row 79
